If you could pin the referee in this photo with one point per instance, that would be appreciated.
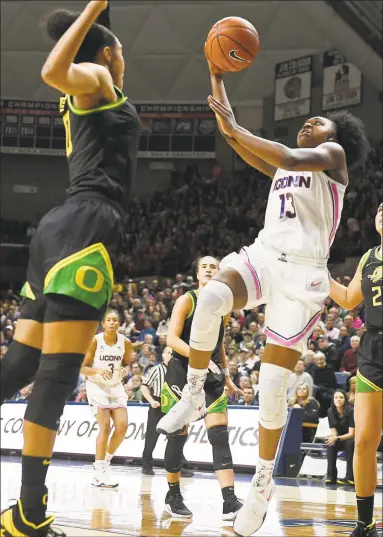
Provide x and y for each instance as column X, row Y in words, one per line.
column 151, row 390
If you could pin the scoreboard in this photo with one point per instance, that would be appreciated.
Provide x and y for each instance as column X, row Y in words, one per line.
column 168, row 130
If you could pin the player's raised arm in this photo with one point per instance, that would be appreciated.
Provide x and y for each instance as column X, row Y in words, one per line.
column 219, row 92
column 67, row 67
column 324, row 144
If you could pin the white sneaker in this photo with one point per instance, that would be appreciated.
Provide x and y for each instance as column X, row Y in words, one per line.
column 102, row 477
column 253, row 513
column 188, row 409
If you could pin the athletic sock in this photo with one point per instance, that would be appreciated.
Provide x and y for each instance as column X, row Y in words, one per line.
column 196, row 379
column 33, row 490
column 227, row 493
column 99, row 465
column 365, row 509
column 174, row 488
column 108, row 457
column 264, row 472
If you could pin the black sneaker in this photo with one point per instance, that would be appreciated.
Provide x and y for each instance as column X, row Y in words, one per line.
column 231, row 508
column 186, row 473
column 345, row 481
column 174, row 504
column 148, row 471
column 14, row 523
column 362, row 530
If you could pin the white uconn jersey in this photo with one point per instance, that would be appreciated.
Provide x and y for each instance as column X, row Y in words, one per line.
column 303, row 213
column 110, row 358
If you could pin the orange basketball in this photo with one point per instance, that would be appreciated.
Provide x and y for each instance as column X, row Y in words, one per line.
column 232, row 44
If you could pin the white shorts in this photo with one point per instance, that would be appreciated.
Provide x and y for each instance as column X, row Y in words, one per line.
column 108, row 397
column 293, row 288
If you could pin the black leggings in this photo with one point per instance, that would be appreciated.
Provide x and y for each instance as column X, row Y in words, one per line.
column 332, row 452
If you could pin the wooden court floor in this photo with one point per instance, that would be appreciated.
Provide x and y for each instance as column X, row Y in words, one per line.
column 136, row 507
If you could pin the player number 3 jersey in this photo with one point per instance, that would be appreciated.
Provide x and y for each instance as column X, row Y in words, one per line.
column 110, row 358
column 303, row 213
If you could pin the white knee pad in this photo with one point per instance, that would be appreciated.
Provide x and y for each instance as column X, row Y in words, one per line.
column 214, row 301
column 273, row 383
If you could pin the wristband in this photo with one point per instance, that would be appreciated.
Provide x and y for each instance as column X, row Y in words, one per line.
column 225, row 371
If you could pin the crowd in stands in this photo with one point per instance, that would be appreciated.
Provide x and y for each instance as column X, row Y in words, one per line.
column 199, row 213
column 145, row 309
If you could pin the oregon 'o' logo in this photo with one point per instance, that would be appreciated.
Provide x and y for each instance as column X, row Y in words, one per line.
column 45, row 499
column 83, row 272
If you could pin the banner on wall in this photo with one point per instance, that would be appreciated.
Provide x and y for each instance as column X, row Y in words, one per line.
column 342, row 82
column 168, row 130
column 78, row 431
column 292, row 94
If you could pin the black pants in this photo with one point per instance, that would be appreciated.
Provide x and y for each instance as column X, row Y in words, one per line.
column 324, row 397
column 348, row 447
column 154, row 416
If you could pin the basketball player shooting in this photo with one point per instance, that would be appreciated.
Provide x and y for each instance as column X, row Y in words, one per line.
column 285, row 268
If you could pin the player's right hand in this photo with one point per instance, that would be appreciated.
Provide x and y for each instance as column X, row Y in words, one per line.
column 99, row 5
column 155, row 404
column 105, row 374
column 214, row 70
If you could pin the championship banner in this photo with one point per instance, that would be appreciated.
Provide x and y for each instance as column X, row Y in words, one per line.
column 168, row 130
column 342, row 82
column 78, row 431
column 292, row 95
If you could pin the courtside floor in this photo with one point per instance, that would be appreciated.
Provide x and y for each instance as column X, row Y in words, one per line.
column 136, row 507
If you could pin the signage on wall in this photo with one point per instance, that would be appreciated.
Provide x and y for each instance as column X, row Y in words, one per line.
column 342, row 82
column 78, row 431
column 292, row 95
column 168, row 130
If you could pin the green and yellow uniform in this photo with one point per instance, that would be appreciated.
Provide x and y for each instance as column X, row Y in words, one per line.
column 176, row 374
column 76, row 247
column 370, row 353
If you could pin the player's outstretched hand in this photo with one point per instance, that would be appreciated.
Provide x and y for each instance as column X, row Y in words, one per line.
column 224, row 116
column 214, row 70
column 99, row 5
column 233, row 389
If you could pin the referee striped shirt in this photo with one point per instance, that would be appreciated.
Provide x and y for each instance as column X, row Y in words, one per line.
column 155, row 379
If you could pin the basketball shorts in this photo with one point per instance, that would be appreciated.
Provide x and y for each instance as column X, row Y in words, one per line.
column 370, row 363
column 292, row 287
column 176, row 379
column 105, row 397
column 72, row 256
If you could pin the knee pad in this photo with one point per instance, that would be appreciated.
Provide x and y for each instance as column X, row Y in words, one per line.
column 174, row 453
column 219, row 440
column 214, row 301
column 18, row 368
column 56, row 379
column 273, row 383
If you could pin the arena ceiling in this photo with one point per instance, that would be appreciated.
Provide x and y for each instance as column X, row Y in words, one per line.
column 163, row 45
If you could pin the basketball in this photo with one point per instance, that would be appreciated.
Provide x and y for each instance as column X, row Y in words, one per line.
column 232, row 44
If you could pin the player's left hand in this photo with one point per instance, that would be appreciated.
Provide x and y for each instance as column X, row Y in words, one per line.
column 224, row 115
column 233, row 389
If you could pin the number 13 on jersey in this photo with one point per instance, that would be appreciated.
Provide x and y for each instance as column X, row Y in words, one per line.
column 287, row 206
